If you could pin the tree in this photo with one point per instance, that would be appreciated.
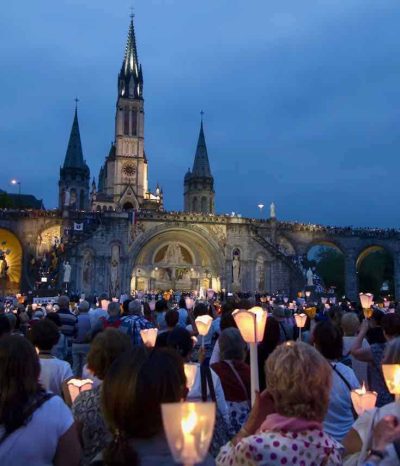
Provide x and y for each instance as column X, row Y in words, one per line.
column 375, row 269
column 5, row 201
column 331, row 268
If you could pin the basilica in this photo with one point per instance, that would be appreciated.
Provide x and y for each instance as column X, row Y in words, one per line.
column 111, row 234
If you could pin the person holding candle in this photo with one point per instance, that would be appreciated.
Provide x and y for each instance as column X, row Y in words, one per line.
column 133, row 390
column 374, row 355
column 285, row 423
column 105, row 348
column 350, row 325
column 234, row 374
column 327, row 339
column 361, row 439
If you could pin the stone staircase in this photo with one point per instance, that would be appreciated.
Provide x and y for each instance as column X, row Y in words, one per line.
column 296, row 274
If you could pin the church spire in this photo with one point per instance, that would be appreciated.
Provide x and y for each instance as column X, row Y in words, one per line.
column 74, row 155
column 130, row 79
column 201, row 165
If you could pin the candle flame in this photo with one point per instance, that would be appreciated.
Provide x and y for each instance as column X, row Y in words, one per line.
column 189, row 422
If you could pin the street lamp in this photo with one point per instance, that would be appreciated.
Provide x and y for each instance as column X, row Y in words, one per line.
column 16, row 182
column 260, row 206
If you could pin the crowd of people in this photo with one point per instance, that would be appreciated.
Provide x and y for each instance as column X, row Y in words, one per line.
column 79, row 386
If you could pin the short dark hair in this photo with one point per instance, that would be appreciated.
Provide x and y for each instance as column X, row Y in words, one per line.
column 181, row 341
column 44, row 334
column 161, row 305
column 391, row 324
column 328, row 339
column 5, row 325
column 172, row 317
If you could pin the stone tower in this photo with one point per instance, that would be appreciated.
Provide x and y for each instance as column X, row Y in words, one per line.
column 123, row 179
column 199, row 183
column 73, row 185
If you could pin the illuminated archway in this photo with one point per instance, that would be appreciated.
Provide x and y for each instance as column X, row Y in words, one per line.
column 375, row 271
column 327, row 261
column 10, row 263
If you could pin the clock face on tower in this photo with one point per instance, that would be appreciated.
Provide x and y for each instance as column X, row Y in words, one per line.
column 129, row 169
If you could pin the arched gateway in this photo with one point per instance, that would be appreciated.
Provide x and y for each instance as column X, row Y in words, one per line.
column 179, row 258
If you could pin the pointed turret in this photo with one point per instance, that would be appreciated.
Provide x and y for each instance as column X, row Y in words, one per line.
column 130, row 79
column 201, row 165
column 74, row 155
column 74, row 174
column 199, row 183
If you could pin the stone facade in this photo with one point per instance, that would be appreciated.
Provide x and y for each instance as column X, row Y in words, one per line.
column 161, row 250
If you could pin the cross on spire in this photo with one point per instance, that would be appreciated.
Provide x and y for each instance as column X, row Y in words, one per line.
column 132, row 15
column 201, row 115
column 76, row 103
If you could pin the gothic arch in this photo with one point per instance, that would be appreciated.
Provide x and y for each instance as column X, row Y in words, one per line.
column 329, row 243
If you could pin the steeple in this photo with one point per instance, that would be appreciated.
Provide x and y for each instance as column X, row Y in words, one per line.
column 199, row 183
column 201, row 165
column 130, row 79
column 73, row 185
column 74, row 155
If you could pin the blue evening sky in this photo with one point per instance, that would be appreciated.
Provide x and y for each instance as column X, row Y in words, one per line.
column 301, row 99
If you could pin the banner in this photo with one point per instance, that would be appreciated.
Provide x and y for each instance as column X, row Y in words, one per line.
column 78, row 226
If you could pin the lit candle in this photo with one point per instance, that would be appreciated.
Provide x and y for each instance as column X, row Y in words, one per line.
column 190, row 372
column 363, row 400
column 149, row 337
column 301, row 320
column 391, row 372
column 189, row 429
column 251, row 324
column 203, row 324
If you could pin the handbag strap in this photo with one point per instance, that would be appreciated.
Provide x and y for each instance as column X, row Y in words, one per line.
column 239, row 379
column 31, row 410
column 206, row 379
column 346, row 382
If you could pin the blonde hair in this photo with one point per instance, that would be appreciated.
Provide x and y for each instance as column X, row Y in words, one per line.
column 299, row 380
column 350, row 324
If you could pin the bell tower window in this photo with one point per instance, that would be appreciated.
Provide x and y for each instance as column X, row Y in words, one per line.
column 126, row 122
column 134, row 123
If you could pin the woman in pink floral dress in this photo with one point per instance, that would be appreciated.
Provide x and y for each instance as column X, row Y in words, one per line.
column 285, row 424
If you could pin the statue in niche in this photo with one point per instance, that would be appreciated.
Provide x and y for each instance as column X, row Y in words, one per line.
column 310, row 277
column 114, row 271
column 67, row 197
column 67, row 273
column 173, row 255
column 260, row 274
column 236, row 268
column 87, row 270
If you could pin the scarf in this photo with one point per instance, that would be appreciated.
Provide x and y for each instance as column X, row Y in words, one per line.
column 277, row 422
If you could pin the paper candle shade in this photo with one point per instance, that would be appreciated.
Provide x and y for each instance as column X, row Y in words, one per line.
column 251, row 323
column 308, row 293
column 311, row 312
column 149, row 336
column 190, row 372
column 189, row 428
column 324, row 300
column 368, row 312
column 366, row 300
column 363, row 400
column 210, row 293
column 76, row 386
column 203, row 324
column 391, row 373
column 189, row 302
column 300, row 319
